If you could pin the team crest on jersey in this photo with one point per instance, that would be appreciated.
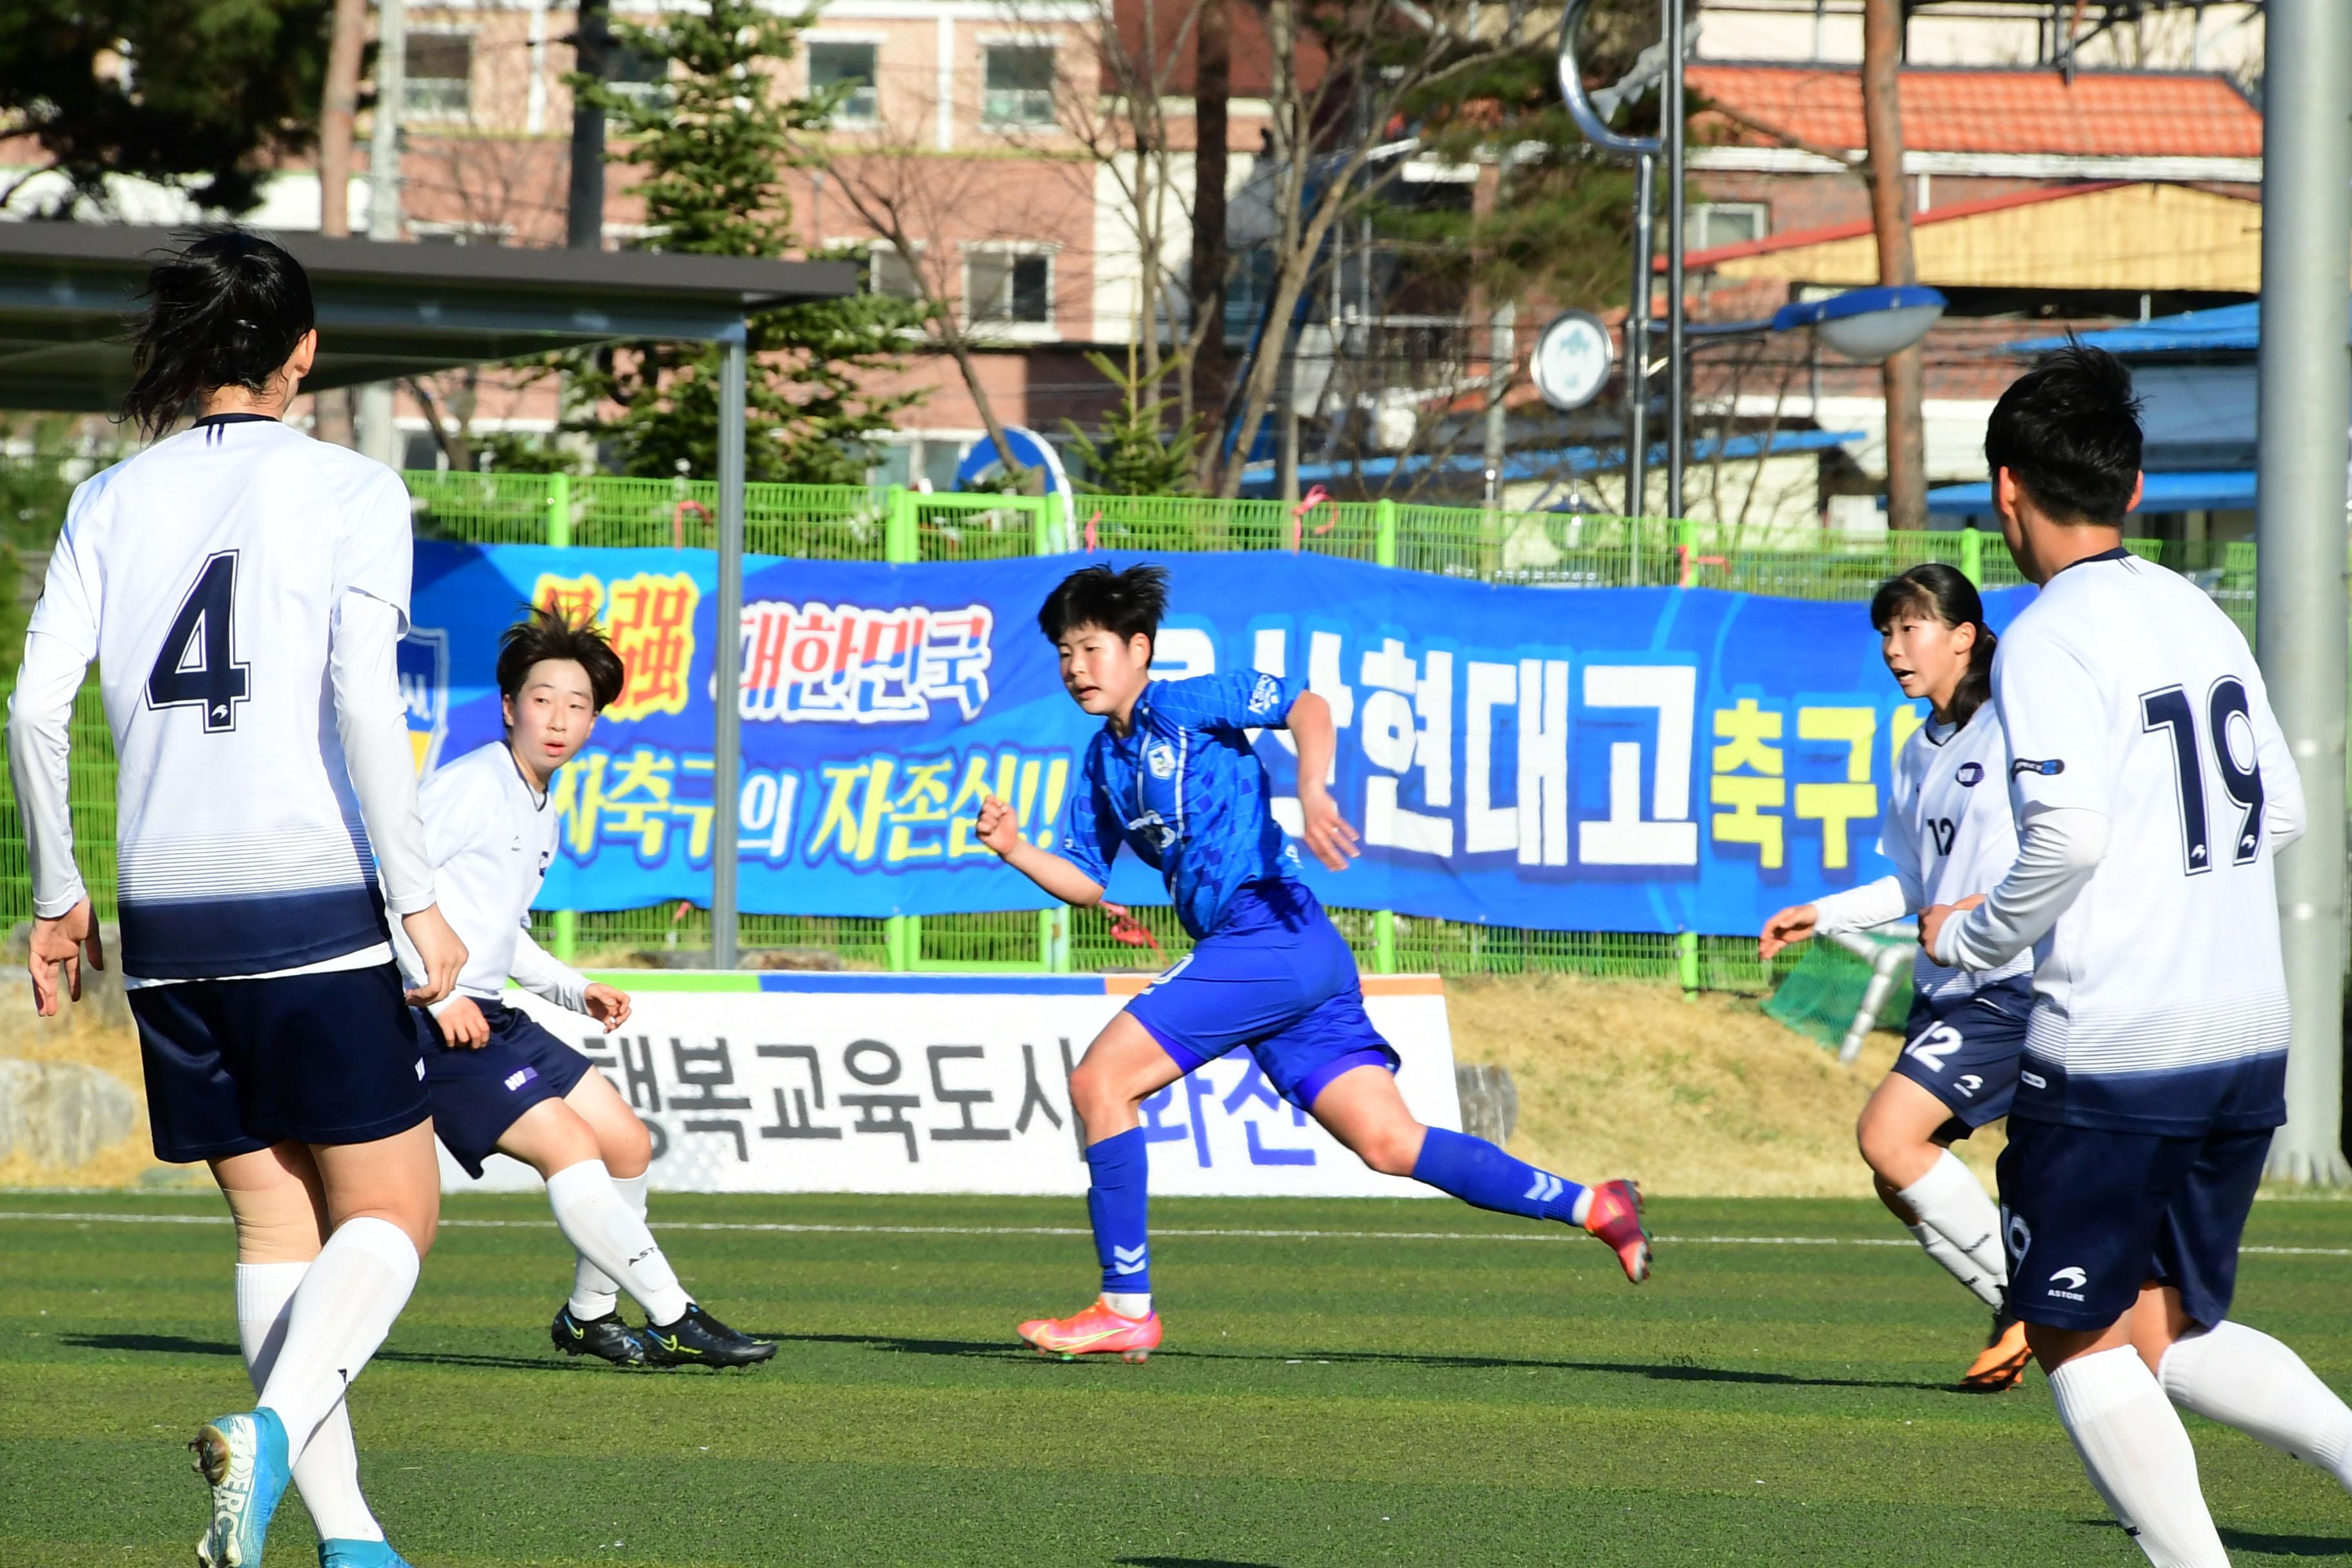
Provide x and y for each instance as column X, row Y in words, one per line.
column 1970, row 774
column 1160, row 757
column 2050, row 769
column 423, row 664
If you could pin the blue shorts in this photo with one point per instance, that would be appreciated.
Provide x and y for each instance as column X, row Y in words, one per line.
column 2091, row 1215
column 478, row 1094
column 1965, row 1053
column 1275, row 976
column 233, row 1065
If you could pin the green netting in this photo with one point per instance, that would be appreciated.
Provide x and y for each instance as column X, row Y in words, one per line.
column 855, row 523
column 1821, row 995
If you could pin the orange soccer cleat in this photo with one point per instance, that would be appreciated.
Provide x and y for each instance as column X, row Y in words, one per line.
column 1615, row 1218
column 2002, row 1366
column 1097, row 1331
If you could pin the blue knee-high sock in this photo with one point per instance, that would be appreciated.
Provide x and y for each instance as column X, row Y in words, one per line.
column 1118, row 1203
column 1477, row 1173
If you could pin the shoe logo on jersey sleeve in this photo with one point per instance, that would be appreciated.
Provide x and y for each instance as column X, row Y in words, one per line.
column 2050, row 769
column 1160, row 757
column 1970, row 774
column 1264, row 697
column 2067, row 1284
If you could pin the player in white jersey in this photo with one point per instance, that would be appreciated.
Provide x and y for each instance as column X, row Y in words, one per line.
column 1948, row 832
column 241, row 588
column 496, row 1078
column 2152, row 789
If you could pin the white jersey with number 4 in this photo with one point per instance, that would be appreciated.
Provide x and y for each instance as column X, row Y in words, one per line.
column 2160, row 1003
column 1949, row 834
column 203, row 576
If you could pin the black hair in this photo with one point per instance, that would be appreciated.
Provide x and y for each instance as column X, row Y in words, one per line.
column 224, row 311
column 543, row 635
column 2068, row 431
column 1945, row 593
column 1127, row 604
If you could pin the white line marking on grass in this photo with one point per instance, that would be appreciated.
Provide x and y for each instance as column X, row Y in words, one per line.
column 780, row 1228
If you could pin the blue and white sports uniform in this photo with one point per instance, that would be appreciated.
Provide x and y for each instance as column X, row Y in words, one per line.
column 1949, row 833
column 1185, row 792
column 241, row 588
column 2155, row 1057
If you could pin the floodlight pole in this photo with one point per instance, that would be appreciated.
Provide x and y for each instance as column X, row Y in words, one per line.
column 727, row 756
column 2304, row 405
column 1677, row 363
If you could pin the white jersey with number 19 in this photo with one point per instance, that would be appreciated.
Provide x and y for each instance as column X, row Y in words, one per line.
column 2160, row 1002
column 205, row 576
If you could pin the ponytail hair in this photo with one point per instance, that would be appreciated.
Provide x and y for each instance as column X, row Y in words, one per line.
column 1943, row 593
column 224, row 311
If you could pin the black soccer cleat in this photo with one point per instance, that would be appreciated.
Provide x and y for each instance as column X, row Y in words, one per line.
column 698, row 1339
column 607, row 1337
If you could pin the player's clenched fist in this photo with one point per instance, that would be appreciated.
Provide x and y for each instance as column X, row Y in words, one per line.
column 999, row 829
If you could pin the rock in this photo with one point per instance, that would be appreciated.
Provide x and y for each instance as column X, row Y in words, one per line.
column 62, row 1113
column 1490, row 1102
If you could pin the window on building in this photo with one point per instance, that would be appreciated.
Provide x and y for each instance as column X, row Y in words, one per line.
column 440, row 83
column 848, row 68
column 886, row 273
column 1711, row 224
column 1006, row 289
column 642, row 77
column 1018, row 87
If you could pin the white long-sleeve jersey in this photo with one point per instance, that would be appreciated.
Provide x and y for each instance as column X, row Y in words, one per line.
column 1948, row 831
column 491, row 836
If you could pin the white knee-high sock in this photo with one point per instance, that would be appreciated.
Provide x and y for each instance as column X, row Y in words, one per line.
column 2138, row 1456
column 328, row 1473
column 343, row 1310
column 593, row 1291
column 1952, row 1200
column 603, row 1228
column 1955, row 1263
column 2244, row 1378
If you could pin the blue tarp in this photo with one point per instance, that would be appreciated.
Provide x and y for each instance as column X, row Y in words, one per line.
column 1632, row 759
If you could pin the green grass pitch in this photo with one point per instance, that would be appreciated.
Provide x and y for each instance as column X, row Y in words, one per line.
column 1485, row 1392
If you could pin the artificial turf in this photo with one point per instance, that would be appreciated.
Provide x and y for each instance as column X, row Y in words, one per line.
column 1471, row 1396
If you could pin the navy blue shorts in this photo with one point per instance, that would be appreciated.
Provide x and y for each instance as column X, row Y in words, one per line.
column 233, row 1065
column 2091, row 1215
column 1275, row 976
column 478, row 1094
column 1965, row 1053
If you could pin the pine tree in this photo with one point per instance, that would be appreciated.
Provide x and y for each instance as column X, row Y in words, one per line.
column 714, row 145
column 1136, row 454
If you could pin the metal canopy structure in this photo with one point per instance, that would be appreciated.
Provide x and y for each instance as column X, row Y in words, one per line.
column 68, row 292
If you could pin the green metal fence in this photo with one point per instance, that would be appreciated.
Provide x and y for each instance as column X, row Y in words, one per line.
column 895, row 523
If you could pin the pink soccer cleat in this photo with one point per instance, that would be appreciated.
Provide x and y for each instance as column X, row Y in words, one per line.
column 1615, row 1218
column 1097, row 1331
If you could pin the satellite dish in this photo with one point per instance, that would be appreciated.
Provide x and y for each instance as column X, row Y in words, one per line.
column 1573, row 356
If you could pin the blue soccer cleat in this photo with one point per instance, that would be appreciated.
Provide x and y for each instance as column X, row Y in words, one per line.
column 359, row 1554
column 243, row 1459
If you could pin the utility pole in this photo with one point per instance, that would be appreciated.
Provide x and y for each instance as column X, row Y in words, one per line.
column 2305, row 403
column 338, row 114
column 379, row 436
column 1904, row 375
column 1213, row 85
column 584, row 222
column 1677, row 355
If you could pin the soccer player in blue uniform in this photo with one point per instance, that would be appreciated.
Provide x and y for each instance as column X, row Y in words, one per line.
column 241, row 589
column 1171, row 776
column 2152, row 789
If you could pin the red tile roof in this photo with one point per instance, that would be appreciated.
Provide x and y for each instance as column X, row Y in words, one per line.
column 2100, row 114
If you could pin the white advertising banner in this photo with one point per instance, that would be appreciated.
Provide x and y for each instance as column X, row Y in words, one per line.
column 929, row 1083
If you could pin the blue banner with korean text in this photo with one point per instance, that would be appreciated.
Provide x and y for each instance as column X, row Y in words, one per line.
column 1587, row 759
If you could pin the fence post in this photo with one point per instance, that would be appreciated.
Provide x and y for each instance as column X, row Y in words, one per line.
column 1384, row 940
column 1973, row 555
column 1384, row 532
column 1045, row 523
column 1686, row 955
column 898, row 540
column 563, row 940
column 1054, row 939
column 901, row 939
column 559, row 510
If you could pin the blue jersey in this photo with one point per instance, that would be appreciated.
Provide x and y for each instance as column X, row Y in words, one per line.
column 1185, row 792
